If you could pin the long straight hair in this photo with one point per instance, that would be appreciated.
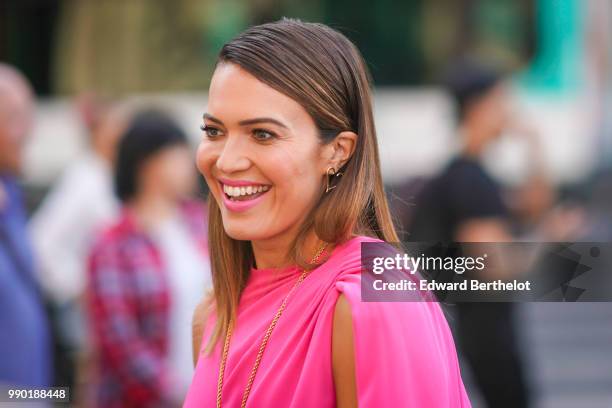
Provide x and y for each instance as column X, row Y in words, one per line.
column 324, row 72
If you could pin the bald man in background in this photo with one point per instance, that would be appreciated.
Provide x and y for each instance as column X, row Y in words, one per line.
column 25, row 347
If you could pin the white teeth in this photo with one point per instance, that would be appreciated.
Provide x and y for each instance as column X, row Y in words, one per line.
column 241, row 191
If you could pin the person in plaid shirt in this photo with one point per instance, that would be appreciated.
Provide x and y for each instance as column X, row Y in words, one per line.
column 130, row 291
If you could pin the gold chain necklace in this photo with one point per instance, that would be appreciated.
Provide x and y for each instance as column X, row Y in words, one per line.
column 264, row 342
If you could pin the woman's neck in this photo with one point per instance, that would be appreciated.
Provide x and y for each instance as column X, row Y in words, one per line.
column 275, row 252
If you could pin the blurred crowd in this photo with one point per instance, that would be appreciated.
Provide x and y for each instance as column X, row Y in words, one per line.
column 99, row 285
column 464, row 203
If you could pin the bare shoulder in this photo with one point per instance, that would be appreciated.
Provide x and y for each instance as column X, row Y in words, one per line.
column 343, row 356
column 200, row 315
column 343, row 316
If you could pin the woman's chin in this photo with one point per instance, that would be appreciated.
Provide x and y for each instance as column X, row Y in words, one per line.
column 241, row 232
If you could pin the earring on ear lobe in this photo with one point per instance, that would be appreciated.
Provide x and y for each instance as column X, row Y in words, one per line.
column 331, row 172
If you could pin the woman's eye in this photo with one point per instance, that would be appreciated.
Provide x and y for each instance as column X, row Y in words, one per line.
column 211, row 132
column 263, row 135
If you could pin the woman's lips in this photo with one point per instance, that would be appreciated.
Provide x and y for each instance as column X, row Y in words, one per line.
column 240, row 196
column 239, row 183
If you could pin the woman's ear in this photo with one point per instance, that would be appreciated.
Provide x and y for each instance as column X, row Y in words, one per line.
column 342, row 148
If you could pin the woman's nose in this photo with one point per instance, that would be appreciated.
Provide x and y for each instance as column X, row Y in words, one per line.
column 233, row 156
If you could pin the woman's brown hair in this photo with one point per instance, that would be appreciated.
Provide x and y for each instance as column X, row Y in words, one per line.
column 324, row 72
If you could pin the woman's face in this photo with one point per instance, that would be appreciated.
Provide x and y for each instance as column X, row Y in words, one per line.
column 260, row 155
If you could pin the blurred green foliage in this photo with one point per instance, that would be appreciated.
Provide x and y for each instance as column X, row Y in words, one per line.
column 116, row 47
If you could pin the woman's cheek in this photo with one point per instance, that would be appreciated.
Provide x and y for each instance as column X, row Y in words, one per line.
column 205, row 159
column 199, row 159
column 300, row 195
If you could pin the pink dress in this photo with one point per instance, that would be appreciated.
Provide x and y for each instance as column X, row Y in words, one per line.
column 404, row 351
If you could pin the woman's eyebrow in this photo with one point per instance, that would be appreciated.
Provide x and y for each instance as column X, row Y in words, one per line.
column 254, row 121
column 212, row 118
column 246, row 122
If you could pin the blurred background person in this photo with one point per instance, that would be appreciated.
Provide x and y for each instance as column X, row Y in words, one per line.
column 148, row 271
column 464, row 204
column 538, row 211
column 65, row 224
column 25, row 358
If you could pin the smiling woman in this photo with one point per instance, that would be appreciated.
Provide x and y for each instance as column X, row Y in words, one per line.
column 289, row 152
